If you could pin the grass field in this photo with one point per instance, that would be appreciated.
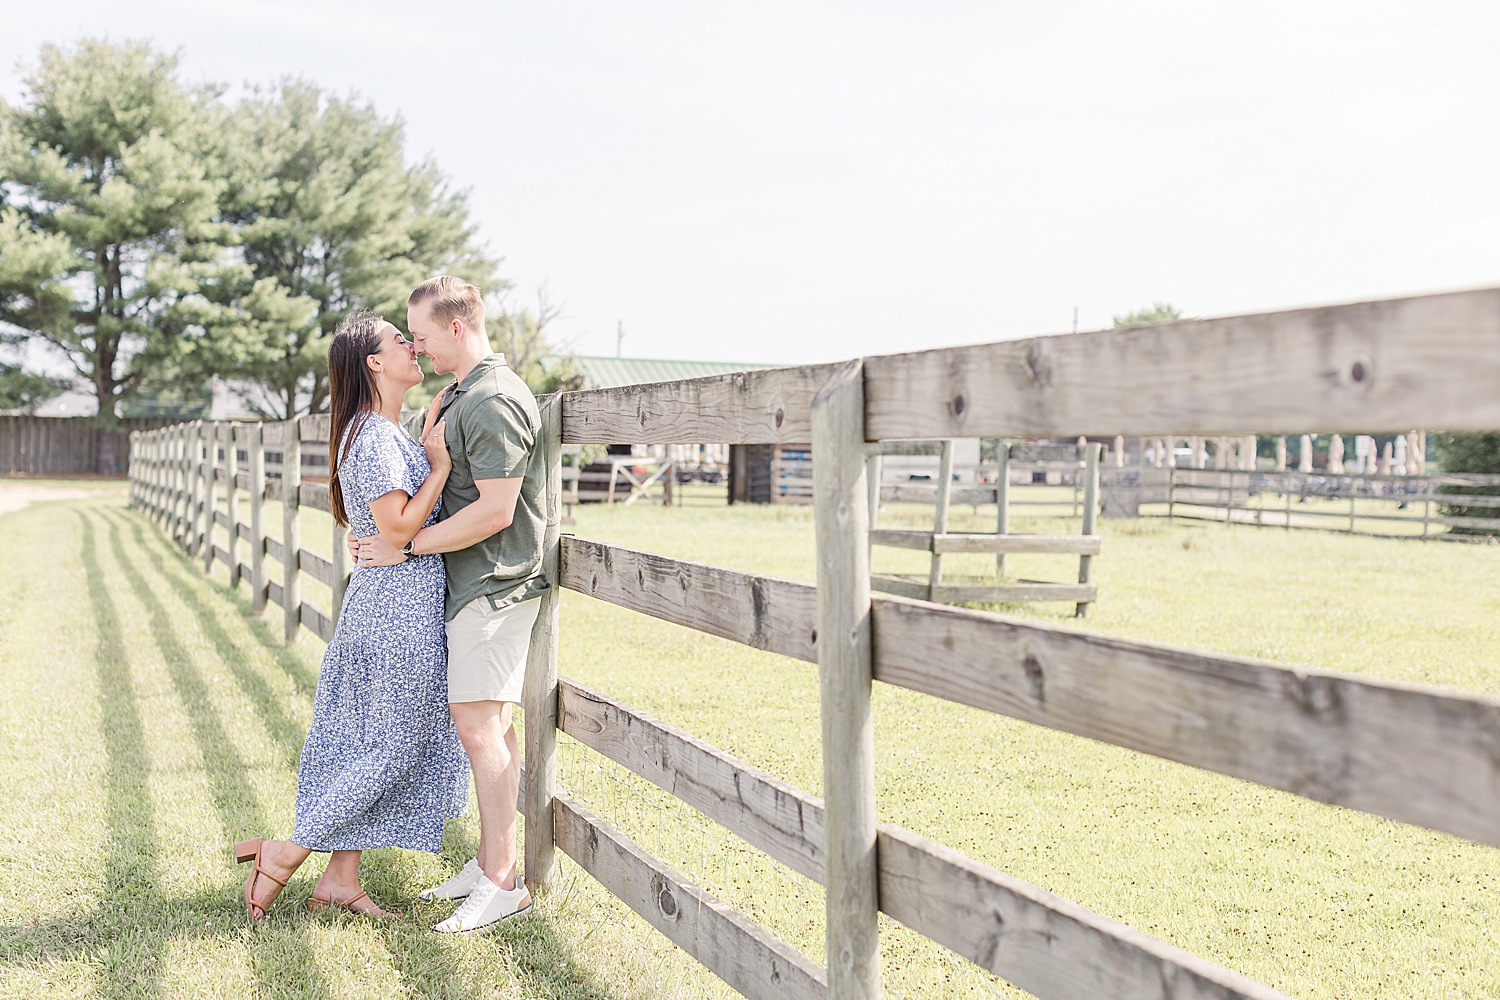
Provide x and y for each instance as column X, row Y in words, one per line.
column 147, row 719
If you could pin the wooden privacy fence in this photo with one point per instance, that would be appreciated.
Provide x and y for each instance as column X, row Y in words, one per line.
column 67, row 446
column 1417, row 755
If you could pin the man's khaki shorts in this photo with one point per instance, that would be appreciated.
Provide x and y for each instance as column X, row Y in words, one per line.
column 487, row 650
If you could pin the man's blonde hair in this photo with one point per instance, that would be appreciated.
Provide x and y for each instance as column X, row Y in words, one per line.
column 451, row 298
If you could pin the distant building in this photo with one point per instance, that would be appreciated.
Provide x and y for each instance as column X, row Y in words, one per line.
column 709, row 461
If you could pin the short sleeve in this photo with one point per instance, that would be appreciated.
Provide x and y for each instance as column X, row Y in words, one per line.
column 498, row 438
column 380, row 464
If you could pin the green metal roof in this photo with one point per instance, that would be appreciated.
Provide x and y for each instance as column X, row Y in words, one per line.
column 605, row 373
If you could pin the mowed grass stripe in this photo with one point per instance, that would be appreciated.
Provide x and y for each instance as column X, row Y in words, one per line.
column 148, row 720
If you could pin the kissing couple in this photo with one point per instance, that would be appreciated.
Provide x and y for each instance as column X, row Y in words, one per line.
column 417, row 688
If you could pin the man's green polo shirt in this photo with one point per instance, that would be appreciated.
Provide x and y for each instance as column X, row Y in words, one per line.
column 493, row 422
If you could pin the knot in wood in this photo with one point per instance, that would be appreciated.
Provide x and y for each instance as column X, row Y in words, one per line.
column 1358, row 371
column 665, row 901
column 780, row 416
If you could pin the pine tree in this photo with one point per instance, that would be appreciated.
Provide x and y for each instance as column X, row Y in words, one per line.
column 109, row 246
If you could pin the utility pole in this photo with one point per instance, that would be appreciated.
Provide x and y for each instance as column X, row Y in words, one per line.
column 619, row 336
column 1075, row 319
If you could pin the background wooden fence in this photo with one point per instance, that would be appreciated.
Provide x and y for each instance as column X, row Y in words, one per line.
column 67, row 446
column 1422, row 756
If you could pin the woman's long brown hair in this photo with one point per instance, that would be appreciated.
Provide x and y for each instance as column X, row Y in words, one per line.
column 351, row 395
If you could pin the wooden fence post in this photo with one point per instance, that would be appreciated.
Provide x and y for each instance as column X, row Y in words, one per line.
column 255, row 438
column 841, row 521
column 341, row 568
column 1002, row 501
column 873, row 466
column 210, row 491
column 1090, row 516
column 182, row 504
column 197, row 486
column 539, row 691
column 232, row 474
column 939, row 514
column 291, row 528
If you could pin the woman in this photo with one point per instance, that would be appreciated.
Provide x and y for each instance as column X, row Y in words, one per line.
column 382, row 765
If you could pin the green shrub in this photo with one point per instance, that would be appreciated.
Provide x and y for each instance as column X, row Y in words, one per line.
column 1479, row 453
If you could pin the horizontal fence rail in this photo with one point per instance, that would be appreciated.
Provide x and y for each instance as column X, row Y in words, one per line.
column 1036, row 939
column 1429, row 361
column 1408, row 753
column 1419, row 755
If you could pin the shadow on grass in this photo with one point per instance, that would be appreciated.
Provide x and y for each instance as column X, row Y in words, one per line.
column 285, row 730
column 128, row 934
column 129, row 961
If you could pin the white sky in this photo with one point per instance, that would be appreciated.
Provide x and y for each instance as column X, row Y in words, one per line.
column 794, row 182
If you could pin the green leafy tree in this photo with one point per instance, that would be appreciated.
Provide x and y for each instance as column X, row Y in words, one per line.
column 24, row 391
column 109, row 246
column 329, row 218
column 1158, row 312
column 1471, row 453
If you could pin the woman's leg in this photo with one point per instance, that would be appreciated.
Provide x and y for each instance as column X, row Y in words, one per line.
column 281, row 859
column 340, row 883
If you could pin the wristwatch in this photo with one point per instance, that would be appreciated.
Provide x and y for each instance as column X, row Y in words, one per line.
column 406, row 549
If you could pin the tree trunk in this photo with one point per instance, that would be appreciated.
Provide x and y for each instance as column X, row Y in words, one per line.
column 106, row 464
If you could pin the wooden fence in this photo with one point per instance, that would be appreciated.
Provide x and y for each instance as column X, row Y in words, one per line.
column 1417, row 755
column 67, row 446
column 1226, row 494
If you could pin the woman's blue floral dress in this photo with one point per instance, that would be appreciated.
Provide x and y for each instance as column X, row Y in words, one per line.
column 382, row 765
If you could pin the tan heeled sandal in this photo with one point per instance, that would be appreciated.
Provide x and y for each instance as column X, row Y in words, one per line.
column 249, row 850
column 317, row 904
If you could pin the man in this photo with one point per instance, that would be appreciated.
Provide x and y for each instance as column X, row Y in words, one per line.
column 490, row 532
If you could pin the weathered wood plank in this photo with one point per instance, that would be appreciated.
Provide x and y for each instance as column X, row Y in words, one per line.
column 747, row 957
column 314, row 495
column 1411, row 754
column 539, row 694
column 770, row 814
column 902, row 539
column 841, row 527
column 274, row 549
column 315, row 566
column 320, row 624
column 221, row 518
column 1429, row 361
column 890, row 583
column 1046, row 453
column 291, row 529
column 970, row 593
column 314, row 428
column 760, row 611
column 907, row 448
column 921, row 590
column 1064, row 544
column 771, row 406
column 1015, row 930
column 927, row 493
column 1049, row 946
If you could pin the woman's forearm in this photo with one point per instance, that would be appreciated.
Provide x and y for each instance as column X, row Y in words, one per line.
column 400, row 526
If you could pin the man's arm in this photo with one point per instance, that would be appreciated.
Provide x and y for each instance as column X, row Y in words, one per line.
column 491, row 513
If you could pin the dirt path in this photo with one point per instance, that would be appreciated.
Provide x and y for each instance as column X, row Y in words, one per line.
column 14, row 496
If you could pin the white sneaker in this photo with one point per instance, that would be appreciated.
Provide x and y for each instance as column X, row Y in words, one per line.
column 458, row 886
column 487, row 904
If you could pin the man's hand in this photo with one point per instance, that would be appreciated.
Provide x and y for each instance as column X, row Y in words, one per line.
column 376, row 551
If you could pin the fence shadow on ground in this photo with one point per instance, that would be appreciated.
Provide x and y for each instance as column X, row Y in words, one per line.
column 128, row 933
